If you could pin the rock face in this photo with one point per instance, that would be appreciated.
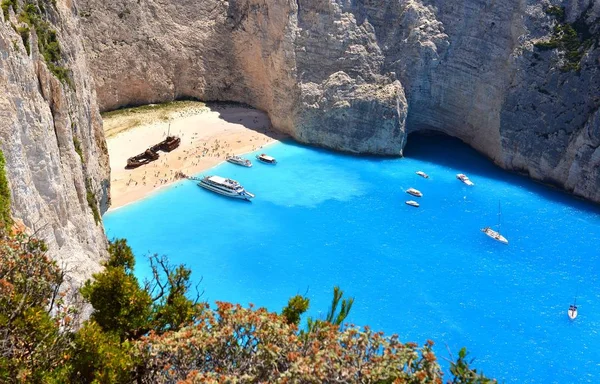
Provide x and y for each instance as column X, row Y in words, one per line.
column 42, row 121
column 517, row 79
column 360, row 76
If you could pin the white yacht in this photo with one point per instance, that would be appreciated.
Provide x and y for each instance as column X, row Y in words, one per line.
column 414, row 192
column 412, row 203
column 462, row 177
column 423, row 174
column 239, row 161
column 266, row 159
column 494, row 235
column 226, row 187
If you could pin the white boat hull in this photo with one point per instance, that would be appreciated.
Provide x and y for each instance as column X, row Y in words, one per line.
column 423, row 174
column 243, row 164
column 495, row 235
column 414, row 192
column 266, row 159
column 462, row 177
column 244, row 196
column 572, row 314
column 266, row 162
column 412, row 203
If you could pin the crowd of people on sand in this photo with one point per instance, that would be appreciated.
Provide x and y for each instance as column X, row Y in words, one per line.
column 160, row 172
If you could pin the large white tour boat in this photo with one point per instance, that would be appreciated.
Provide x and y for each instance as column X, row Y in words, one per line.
column 225, row 187
column 239, row 161
column 462, row 177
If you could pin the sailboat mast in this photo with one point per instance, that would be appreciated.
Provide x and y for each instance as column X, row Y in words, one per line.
column 499, row 217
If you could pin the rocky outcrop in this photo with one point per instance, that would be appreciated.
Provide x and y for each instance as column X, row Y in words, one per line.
column 360, row 76
column 52, row 138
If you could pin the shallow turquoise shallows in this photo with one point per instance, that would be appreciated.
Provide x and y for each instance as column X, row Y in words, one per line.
column 322, row 219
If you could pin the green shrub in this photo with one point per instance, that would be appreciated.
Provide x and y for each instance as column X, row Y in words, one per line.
column 35, row 321
column 5, row 218
column 573, row 39
column 91, row 200
column 101, row 357
column 121, row 306
column 546, row 45
column 6, row 5
column 24, row 33
column 558, row 12
column 464, row 374
column 296, row 306
column 77, row 145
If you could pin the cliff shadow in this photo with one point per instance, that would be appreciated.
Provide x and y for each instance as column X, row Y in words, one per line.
column 441, row 149
column 248, row 116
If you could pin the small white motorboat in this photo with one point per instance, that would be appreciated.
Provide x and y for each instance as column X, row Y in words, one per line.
column 239, row 161
column 423, row 174
column 494, row 235
column 414, row 192
column 572, row 312
column 412, row 203
column 266, row 159
column 462, row 177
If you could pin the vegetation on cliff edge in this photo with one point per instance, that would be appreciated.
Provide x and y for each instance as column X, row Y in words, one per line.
column 77, row 145
column 35, row 15
column 5, row 219
column 573, row 39
column 91, row 200
column 154, row 333
column 6, row 5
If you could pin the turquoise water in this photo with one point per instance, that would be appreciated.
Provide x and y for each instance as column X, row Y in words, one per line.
column 321, row 219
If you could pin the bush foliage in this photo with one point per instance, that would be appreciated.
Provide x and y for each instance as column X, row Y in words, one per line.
column 573, row 39
column 91, row 200
column 35, row 322
column 154, row 333
column 5, row 219
column 35, row 14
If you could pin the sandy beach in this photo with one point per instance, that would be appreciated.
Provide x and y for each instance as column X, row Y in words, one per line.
column 209, row 133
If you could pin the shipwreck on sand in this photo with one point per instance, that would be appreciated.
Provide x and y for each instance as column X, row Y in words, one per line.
column 151, row 154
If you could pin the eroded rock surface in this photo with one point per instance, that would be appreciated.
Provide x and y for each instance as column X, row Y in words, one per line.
column 359, row 76
column 41, row 121
column 355, row 76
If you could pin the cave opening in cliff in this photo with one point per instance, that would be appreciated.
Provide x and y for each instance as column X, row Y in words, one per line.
column 441, row 149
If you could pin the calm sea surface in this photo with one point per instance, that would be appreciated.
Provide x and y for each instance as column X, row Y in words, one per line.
column 321, row 219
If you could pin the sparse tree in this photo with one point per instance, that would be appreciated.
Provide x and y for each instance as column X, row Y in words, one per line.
column 334, row 316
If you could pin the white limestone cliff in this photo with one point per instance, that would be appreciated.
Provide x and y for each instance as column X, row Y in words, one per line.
column 360, row 76
column 356, row 76
column 41, row 119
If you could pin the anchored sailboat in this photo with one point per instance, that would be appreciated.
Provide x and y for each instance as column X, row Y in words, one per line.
column 572, row 312
column 496, row 234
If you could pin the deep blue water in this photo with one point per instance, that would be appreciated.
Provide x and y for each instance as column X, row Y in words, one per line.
column 321, row 219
